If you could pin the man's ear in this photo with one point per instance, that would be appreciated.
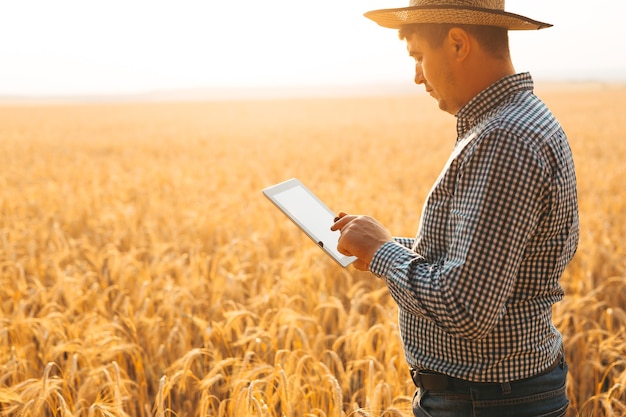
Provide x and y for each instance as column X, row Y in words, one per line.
column 459, row 42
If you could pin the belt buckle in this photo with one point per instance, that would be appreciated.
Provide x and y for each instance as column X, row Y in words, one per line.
column 435, row 381
column 430, row 381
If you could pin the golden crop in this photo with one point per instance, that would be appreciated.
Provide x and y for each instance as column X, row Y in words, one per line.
column 144, row 274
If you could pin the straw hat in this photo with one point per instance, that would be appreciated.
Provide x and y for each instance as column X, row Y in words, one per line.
column 471, row 12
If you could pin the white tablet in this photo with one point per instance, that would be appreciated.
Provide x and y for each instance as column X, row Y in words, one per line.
column 310, row 214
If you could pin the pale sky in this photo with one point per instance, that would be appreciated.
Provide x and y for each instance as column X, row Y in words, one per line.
column 75, row 47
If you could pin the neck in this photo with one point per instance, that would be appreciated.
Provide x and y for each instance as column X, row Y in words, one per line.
column 482, row 72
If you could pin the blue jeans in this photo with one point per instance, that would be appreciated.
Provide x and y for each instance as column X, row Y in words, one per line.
column 540, row 396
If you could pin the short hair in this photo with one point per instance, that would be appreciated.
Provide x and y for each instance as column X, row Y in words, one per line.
column 494, row 39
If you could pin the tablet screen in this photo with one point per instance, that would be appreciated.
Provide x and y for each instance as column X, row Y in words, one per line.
column 310, row 214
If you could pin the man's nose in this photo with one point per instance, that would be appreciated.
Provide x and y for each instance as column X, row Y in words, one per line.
column 419, row 75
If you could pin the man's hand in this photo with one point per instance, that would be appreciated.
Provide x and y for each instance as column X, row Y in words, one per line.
column 361, row 236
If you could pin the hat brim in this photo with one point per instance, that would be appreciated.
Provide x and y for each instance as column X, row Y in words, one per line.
column 396, row 18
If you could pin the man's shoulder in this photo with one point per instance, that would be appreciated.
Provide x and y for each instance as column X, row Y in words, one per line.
column 525, row 115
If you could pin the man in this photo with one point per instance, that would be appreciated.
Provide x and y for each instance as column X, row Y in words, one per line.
column 475, row 288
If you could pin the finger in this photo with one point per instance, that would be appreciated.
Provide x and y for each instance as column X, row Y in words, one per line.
column 341, row 220
column 339, row 216
column 341, row 247
column 344, row 251
column 361, row 265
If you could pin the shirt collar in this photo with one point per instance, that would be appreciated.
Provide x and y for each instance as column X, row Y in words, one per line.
column 476, row 108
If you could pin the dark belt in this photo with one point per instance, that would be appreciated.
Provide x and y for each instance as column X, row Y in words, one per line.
column 434, row 381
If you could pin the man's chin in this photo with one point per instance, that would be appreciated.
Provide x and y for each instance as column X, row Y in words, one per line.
column 442, row 104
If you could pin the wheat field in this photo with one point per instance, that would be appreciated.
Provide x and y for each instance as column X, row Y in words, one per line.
column 143, row 273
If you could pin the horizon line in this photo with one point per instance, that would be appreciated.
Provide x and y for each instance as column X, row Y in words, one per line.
column 223, row 93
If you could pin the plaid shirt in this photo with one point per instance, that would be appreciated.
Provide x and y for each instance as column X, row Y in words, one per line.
column 475, row 288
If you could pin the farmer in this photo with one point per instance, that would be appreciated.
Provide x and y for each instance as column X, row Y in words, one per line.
column 475, row 287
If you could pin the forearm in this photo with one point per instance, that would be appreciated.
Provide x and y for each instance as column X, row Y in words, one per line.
column 428, row 290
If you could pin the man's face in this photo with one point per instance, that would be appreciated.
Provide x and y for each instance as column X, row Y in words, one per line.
column 434, row 69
